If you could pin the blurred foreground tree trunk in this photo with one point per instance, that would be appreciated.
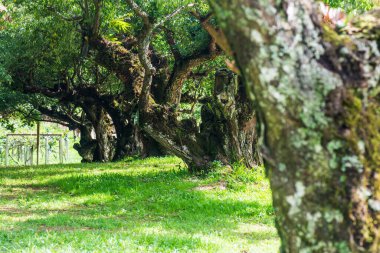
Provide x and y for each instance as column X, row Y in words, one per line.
column 316, row 92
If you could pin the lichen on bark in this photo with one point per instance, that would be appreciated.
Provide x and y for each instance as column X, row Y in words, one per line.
column 316, row 94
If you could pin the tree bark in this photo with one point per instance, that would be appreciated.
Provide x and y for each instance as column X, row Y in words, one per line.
column 228, row 127
column 131, row 140
column 316, row 96
column 87, row 145
column 102, row 125
column 124, row 62
column 227, row 132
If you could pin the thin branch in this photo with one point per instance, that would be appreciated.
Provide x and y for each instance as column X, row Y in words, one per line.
column 174, row 13
column 169, row 34
column 96, row 26
column 63, row 17
column 182, row 69
column 61, row 116
column 81, row 5
column 139, row 12
column 30, row 117
column 86, row 5
column 216, row 34
column 144, row 43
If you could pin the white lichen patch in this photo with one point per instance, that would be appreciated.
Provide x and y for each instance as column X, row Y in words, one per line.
column 295, row 200
column 361, row 146
column 256, row 37
column 281, row 167
column 374, row 205
column 333, row 215
column 312, row 221
column 352, row 162
column 363, row 193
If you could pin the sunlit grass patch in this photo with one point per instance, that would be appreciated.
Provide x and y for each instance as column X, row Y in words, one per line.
column 150, row 205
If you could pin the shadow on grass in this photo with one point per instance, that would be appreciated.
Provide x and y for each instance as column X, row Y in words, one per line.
column 59, row 169
column 53, row 170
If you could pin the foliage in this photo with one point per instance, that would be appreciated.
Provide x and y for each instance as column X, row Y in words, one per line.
column 353, row 5
column 16, row 108
column 40, row 41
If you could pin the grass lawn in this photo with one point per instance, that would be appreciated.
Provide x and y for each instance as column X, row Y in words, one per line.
column 150, row 205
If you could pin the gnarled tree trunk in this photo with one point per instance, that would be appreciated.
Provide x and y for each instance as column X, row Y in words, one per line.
column 227, row 132
column 228, row 127
column 131, row 140
column 316, row 94
column 64, row 114
column 155, row 88
column 120, row 59
column 102, row 125
column 87, row 145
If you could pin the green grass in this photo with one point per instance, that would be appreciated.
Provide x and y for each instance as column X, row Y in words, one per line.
column 150, row 205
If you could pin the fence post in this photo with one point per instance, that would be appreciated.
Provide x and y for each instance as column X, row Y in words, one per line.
column 67, row 147
column 60, row 149
column 47, row 151
column 7, row 151
column 20, row 152
column 31, row 154
column 26, row 154
column 38, row 142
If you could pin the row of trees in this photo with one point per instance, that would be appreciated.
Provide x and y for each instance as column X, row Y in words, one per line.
column 154, row 74
column 142, row 72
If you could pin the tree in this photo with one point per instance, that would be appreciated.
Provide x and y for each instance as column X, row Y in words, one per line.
column 151, row 57
column 352, row 5
column 30, row 108
column 316, row 92
column 43, row 56
column 157, row 89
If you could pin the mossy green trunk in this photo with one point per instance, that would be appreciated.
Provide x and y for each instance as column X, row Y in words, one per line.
column 316, row 95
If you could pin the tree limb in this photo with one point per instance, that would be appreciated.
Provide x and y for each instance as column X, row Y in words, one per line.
column 139, row 12
column 216, row 34
column 62, row 117
column 182, row 69
column 171, row 15
column 144, row 43
column 172, row 43
column 96, row 24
